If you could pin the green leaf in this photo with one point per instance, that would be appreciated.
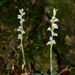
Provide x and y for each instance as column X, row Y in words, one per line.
column 8, row 68
column 1, row 3
column 15, row 1
column 54, row 73
column 36, row 74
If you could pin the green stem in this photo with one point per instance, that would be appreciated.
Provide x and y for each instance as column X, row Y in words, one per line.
column 51, row 58
column 23, row 53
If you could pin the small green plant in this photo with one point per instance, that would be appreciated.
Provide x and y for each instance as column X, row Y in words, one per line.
column 51, row 40
column 20, row 35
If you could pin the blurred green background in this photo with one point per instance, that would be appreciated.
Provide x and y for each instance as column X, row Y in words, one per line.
column 38, row 14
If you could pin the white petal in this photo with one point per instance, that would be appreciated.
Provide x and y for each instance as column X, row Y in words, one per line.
column 52, row 33
column 20, row 27
column 55, row 26
column 21, row 21
column 49, row 28
column 55, row 34
column 54, row 11
column 56, row 20
column 23, row 13
column 23, row 32
column 21, row 10
column 48, row 43
column 53, row 42
column 51, row 20
column 19, row 36
column 19, row 17
column 51, row 38
column 18, row 30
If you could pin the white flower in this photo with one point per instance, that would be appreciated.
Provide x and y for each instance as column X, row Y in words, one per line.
column 21, row 21
column 54, row 11
column 48, row 43
column 23, row 13
column 19, row 36
column 55, row 20
column 49, row 28
column 55, row 26
column 21, row 10
column 23, row 32
column 51, row 20
column 51, row 38
column 53, row 42
column 54, row 34
column 18, row 29
column 19, row 17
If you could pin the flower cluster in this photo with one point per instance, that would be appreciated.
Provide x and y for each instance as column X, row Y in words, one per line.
column 20, row 28
column 22, row 13
column 53, row 26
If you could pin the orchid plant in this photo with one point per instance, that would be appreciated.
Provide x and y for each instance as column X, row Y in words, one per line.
column 20, row 35
column 51, row 40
